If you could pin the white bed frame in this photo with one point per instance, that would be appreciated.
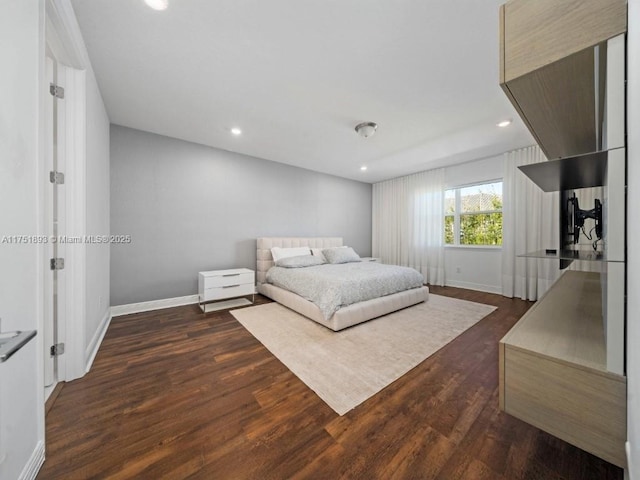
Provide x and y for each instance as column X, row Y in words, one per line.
column 343, row 318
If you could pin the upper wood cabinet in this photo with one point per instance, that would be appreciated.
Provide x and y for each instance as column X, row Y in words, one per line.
column 536, row 33
column 553, row 56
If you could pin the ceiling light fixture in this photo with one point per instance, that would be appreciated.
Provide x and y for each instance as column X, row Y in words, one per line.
column 363, row 168
column 366, row 129
column 157, row 4
column 236, row 131
column 504, row 123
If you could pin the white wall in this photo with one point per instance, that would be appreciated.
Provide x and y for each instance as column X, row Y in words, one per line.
column 478, row 171
column 475, row 268
column 21, row 391
column 633, row 238
column 98, row 216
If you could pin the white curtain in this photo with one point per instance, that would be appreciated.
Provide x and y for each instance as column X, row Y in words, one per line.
column 408, row 223
column 530, row 223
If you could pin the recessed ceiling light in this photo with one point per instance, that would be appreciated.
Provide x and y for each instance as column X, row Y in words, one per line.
column 504, row 123
column 363, row 168
column 157, row 4
column 236, row 131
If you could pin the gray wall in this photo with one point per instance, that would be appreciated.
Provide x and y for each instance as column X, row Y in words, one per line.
column 191, row 208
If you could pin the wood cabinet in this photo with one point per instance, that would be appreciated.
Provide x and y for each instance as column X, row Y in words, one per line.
column 553, row 68
column 537, row 33
column 562, row 365
column 553, row 370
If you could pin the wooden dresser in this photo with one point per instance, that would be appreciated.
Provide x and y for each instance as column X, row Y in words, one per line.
column 562, row 66
column 553, row 370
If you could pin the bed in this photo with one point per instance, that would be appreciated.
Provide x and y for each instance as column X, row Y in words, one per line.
column 345, row 316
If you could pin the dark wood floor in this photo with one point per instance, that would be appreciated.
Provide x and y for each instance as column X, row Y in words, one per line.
column 177, row 394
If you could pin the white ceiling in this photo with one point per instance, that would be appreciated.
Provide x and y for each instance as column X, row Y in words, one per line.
column 296, row 76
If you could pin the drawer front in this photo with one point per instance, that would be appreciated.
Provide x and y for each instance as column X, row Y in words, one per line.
column 228, row 291
column 582, row 407
column 226, row 280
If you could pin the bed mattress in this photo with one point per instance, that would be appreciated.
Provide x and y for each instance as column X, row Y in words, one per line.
column 331, row 287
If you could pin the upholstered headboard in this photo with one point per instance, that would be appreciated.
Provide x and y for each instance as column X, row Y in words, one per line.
column 265, row 244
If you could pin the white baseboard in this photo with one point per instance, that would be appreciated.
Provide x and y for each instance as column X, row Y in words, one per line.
column 96, row 341
column 153, row 305
column 31, row 469
column 474, row 286
column 49, row 390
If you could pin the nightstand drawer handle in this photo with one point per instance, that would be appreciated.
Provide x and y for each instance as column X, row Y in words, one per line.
column 231, row 286
column 231, row 275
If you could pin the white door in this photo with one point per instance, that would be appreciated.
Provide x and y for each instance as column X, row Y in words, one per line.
column 53, row 211
column 49, row 316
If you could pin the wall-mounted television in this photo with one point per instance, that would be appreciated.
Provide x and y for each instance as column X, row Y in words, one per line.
column 572, row 225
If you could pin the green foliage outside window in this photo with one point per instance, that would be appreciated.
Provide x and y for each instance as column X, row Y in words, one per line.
column 481, row 228
column 449, row 231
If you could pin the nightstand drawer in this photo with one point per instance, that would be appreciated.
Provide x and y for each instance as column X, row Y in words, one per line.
column 217, row 285
column 228, row 291
column 229, row 279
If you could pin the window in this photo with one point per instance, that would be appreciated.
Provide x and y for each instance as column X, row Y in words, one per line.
column 473, row 215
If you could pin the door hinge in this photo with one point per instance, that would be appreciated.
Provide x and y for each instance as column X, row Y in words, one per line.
column 56, row 263
column 56, row 91
column 56, row 177
column 57, row 349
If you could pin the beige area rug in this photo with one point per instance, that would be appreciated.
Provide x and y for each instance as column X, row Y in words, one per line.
column 345, row 368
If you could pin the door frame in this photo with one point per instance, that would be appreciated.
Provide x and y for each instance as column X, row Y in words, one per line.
column 64, row 38
column 51, row 121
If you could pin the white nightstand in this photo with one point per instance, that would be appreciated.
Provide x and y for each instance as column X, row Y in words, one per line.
column 228, row 285
column 370, row 259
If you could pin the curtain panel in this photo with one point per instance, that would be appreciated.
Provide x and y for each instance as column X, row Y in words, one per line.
column 408, row 223
column 530, row 223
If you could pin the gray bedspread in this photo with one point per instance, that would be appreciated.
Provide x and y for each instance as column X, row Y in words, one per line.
column 331, row 287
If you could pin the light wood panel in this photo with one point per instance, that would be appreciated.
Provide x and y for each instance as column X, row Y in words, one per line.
column 566, row 324
column 582, row 407
column 548, row 68
column 558, row 102
column 554, row 369
column 501, row 44
column 501, row 383
column 540, row 32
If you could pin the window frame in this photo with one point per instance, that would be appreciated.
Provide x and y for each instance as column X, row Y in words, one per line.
column 458, row 213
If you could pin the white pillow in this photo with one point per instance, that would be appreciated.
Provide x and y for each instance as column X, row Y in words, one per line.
column 317, row 252
column 300, row 261
column 279, row 253
column 341, row 255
